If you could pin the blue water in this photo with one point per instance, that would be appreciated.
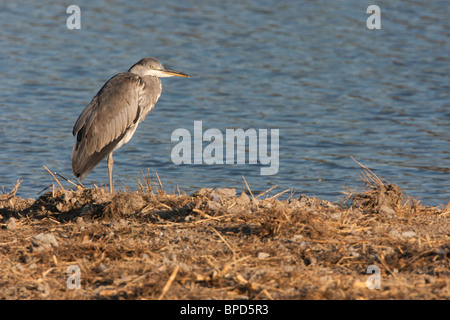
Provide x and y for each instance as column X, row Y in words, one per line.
column 311, row 69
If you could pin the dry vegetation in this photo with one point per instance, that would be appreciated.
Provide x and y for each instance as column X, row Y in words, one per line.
column 215, row 244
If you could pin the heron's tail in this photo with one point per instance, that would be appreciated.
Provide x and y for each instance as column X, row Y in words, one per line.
column 83, row 162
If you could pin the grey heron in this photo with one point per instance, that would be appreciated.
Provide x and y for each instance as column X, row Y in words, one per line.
column 111, row 118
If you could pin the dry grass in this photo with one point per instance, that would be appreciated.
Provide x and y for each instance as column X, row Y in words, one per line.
column 149, row 244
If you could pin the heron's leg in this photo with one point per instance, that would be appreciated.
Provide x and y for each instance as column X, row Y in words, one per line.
column 110, row 172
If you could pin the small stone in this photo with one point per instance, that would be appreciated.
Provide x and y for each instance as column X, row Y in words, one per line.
column 214, row 206
column 225, row 192
column 67, row 196
column 288, row 268
column 263, row 255
column 243, row 199
column 429, row 279
column 43, row 241
column 268, row 205
column 102, row 267
column 387, row 210
column 204, row 192
column 60, row 207
column 409, row 234
column 304, row 200
column 11, row 225
column 19, row 267
column 395, row 233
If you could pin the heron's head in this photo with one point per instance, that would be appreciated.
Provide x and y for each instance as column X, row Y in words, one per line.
column 152, row 67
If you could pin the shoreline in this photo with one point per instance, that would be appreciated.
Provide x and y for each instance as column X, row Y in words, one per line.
column 216, row 244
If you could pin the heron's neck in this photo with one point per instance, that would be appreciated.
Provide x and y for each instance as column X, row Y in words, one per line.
column 139, row 70
column 153, row 88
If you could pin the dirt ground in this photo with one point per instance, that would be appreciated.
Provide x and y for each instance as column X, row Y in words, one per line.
column 222, row 244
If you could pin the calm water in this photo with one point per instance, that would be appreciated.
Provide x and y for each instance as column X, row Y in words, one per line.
column 311, row 69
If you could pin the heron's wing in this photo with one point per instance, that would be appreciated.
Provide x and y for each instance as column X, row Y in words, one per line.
column 105, row 121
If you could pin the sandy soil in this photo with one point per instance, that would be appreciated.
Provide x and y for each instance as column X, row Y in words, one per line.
column 217, row 244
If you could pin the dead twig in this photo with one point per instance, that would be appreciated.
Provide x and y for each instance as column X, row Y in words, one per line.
column 54, row 177
column 169, row 283
column 248, row 188
column 226, row 242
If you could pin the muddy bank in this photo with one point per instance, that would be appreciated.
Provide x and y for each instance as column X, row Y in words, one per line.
column 222, row 244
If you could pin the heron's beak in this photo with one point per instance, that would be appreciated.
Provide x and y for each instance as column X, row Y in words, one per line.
column 170, row 73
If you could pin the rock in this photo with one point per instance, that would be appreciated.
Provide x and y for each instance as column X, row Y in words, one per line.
column 263, row 255
column 204, row 192
column 67, row 196
column 243, row 199
column 268, row 205
column 297, row 237
column 102, row 267
column 405, row 234
column 43, row 289
column 384, row 209
column 119, row 224
column 429, row 279
column 60, row 207
column 217, row 194
column 304, row 200
column 80, row 221
column 409, row 234
column 214, row 206
column 11, row 224
column 19, row 267
column 44, row 241
column 288, row 268
column 394, row 233
column 225, row 192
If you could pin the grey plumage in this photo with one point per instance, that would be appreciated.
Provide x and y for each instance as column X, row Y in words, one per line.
column 111, row 118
